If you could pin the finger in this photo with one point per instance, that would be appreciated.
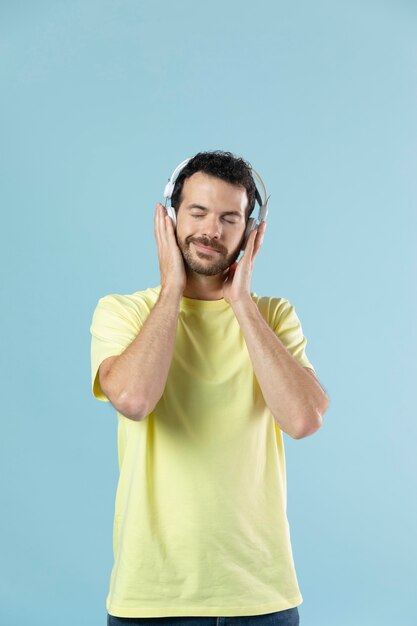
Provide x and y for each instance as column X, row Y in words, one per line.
column 159, row 226
column 169, row 226
column 170, row 230
column 259, row 239
column 156, row 224
column 162, row 224
column 249, row 245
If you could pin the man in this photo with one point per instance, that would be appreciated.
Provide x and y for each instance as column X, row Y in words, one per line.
column 205, row 376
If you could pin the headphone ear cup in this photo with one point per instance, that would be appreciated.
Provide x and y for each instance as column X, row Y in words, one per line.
column 251, row 225
column 172, row 215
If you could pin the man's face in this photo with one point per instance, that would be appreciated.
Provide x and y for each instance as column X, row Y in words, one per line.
column 220, row 224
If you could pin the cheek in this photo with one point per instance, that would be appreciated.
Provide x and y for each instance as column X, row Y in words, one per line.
column 184, row 228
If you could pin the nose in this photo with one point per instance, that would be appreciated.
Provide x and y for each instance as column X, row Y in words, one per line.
column 211, row 228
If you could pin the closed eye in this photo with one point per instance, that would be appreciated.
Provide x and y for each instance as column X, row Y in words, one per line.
column 228, row 221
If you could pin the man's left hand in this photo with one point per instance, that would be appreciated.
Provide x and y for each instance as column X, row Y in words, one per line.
column 236, row 286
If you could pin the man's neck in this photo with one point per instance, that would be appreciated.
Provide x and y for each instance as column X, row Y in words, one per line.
column 200, row 287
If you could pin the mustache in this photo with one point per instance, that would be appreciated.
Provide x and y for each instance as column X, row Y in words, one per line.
column 208, row 244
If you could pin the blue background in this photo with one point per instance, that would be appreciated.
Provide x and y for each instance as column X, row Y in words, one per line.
column 100, row 102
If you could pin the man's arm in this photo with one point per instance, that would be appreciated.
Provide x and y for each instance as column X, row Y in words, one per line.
column 295, row 399
column 135, row 380
column 312, row 373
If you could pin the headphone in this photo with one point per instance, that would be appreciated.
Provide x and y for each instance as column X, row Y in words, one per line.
column 253, row 222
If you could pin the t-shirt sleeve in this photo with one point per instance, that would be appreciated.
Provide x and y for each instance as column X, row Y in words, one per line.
column 287, row 326
column 113, row 328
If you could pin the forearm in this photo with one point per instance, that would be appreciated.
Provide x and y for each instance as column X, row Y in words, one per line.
column 295, row 399
column 139, row 374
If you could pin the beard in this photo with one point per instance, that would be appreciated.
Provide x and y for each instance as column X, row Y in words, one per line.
column 208, row 264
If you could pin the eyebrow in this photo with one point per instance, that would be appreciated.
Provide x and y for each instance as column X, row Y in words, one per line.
column 199, row 206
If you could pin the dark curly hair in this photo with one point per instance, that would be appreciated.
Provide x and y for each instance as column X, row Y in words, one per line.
column 221, row 164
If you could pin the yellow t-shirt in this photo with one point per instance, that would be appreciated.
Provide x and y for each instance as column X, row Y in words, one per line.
column 200, row 524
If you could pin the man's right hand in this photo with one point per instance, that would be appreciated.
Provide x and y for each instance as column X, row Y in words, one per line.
column 171, row 263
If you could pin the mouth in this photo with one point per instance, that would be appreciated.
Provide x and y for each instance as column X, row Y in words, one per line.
column 205, row 248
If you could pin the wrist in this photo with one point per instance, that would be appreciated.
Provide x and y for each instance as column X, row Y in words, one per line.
column 243, row 304
column 171, row 294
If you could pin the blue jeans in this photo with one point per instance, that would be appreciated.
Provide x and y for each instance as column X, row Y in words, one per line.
column 288, row 617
